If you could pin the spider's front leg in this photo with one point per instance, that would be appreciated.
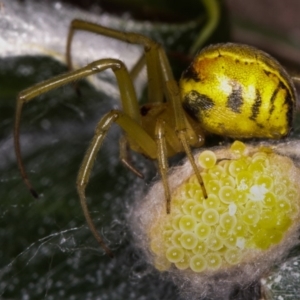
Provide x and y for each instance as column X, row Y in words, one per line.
column 129, row 120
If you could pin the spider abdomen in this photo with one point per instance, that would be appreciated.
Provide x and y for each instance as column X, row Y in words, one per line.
column 239, row 91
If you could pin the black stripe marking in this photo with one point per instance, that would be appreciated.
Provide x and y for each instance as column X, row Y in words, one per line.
column 267, row 73
column 256, row 106
column 288, row 102
column 235, row 99
column 290, row 112
column 194, row 103
column 273, row 97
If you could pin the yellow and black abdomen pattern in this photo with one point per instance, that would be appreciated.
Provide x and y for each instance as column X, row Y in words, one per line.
column 239, row 91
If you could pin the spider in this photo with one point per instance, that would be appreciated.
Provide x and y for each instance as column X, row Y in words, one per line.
column 229, row 89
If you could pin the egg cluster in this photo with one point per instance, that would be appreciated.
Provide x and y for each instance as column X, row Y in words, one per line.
column 250, row 205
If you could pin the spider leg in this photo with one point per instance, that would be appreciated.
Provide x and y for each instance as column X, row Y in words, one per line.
column 132, row 130
column 130, row 107
column 155, row 90
column 129, row 101
column 212, row 8
column 125, row 158
column 165, row 134
column 181, row 123
column 137, row 68
column 162, row 160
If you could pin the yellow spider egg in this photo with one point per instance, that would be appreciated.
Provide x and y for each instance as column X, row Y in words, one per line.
column 251, row 219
